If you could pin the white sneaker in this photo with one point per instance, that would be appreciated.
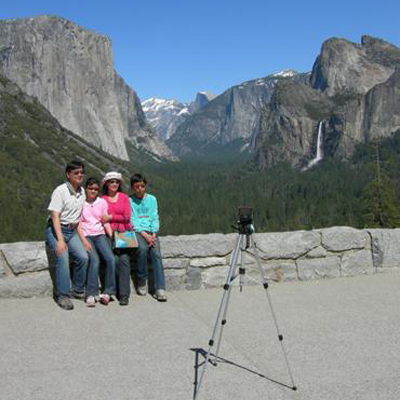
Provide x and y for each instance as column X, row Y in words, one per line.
column 141, row 290
column 160, row 295
column 90, row 301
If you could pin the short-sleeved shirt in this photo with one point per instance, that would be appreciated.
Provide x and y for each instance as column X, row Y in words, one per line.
column 91, row 217
column 68, row 202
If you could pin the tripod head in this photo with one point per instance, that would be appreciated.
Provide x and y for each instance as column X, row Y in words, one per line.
column 245, row 220
column 244, row 223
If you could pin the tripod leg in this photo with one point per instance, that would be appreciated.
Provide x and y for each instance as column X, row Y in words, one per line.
column 221, row 311
column 223, row 321
column 280, row 336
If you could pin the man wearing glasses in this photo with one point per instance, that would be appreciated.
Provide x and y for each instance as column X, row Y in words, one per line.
column 62, row 237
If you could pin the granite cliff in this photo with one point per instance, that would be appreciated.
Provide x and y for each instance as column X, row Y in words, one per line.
column 229, row 120
column 353, row 92
column 70, row 71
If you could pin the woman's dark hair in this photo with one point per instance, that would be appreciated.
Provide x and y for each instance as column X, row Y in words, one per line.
column 74, row 164
column 92, row 181
column 104, row 188
column 138, row 178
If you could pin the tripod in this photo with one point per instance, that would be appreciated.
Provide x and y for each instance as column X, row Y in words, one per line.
column 244, row 242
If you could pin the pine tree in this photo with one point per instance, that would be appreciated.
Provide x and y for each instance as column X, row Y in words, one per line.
column 380, row 203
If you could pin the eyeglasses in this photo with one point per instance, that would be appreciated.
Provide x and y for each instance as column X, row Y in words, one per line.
column 113, row 181
column 94, row 189
column 78, row 172
column 139, row 186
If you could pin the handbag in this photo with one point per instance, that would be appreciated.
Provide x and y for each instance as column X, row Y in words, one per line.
column 125, row 240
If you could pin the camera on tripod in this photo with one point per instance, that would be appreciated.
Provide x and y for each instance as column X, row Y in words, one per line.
column 245, row 220
column 245, row 241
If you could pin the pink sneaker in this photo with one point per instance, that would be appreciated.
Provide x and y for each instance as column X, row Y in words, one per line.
column 105, row 299
column 90, row 301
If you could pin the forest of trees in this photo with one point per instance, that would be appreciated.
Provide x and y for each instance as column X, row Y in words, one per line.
column 203, row 197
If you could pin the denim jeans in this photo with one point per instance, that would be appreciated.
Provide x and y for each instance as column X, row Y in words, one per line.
column 62, row 274
column 101, row 248
column 123, row 268
column 142, row 252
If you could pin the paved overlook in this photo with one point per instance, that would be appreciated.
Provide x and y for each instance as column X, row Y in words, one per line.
column 342, row 338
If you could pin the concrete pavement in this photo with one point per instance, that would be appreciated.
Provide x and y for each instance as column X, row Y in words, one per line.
column 342, row 338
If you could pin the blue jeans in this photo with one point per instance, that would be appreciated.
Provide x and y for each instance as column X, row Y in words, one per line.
column 101, row 248
column 142, row 252
column 62, row 275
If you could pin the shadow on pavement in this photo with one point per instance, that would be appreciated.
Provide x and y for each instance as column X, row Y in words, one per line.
column 203, row 353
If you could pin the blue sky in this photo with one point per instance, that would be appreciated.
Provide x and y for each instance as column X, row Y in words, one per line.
column 173, row 49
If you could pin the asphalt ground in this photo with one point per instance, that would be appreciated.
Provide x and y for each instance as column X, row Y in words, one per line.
column 342, row 339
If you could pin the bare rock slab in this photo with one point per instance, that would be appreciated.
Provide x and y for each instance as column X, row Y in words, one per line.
column 280, row 271
column 385, row 247
column 191, row 246
column 3, row 265
column 344, row 238
column 316, row 268
column 30, row 285
column 357, row 263
column 25, row 256
column 286, row 245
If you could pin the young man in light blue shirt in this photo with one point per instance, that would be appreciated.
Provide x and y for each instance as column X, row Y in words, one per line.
column 146, row 224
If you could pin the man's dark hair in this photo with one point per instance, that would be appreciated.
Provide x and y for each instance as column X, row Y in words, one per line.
column 92, row 181
column 138, row 178
column 74, row 164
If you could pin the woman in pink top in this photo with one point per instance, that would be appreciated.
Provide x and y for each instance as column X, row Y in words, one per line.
column 119, row 217
column 93, row 231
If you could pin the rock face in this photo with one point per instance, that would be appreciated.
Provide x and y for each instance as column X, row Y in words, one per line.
column 70, row 71
column 353, row 92
column 343, row 66
column 231, row 118
column 201, row 261
column 201, row 100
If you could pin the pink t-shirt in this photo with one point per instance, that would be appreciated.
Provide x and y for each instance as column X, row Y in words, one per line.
column 91, row 217
column 120, row 213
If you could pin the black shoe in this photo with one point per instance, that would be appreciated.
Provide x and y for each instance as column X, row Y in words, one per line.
column 65, row 303
column 78, row 295
column 124, row 301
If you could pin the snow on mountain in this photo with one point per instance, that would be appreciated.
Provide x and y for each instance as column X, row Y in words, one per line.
column 165, row 115
column 286, row 73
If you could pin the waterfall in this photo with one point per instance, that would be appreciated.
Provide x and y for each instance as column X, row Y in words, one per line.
column 318, row 157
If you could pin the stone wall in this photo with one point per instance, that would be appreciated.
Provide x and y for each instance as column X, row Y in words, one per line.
column 202, row 261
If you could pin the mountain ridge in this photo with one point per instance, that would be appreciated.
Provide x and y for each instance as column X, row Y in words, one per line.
column 70, row 70
column 229, row 117
column 353, row 90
